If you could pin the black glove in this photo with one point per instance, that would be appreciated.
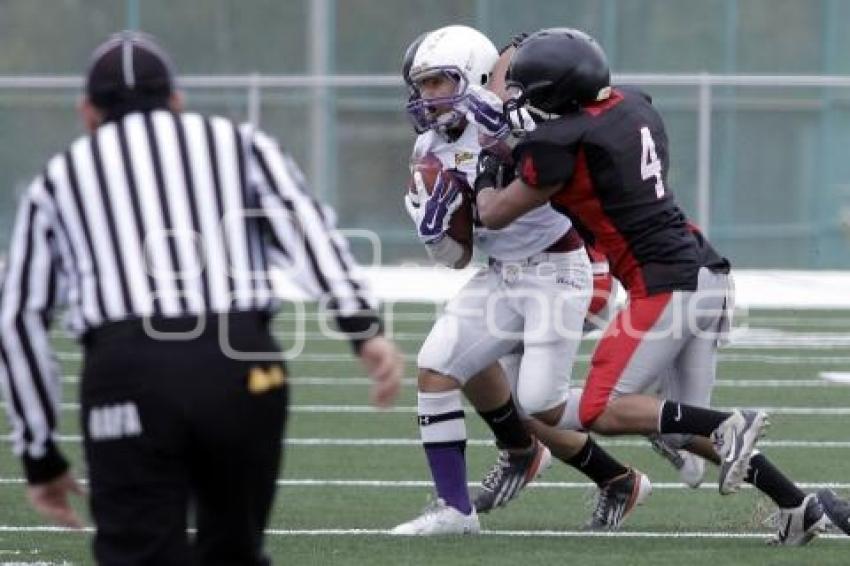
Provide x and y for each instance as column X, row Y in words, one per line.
column 487, row 171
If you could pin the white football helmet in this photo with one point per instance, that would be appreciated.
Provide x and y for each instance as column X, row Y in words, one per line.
column 463, row 54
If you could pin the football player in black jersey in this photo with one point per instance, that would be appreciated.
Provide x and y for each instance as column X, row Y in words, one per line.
column 599, row 154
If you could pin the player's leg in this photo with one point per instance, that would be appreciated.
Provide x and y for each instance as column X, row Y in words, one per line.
column 642, row 341
column 521, row 457
column 800, row 516
column 555, row 308
column 672, row 447
column 456, row 349
column 490, row 392
column 617, row 483
column 544, row 355
column 837, row 509
column 555, row 303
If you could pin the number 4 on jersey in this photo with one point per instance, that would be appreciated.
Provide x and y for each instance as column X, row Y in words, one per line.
column 650, row 165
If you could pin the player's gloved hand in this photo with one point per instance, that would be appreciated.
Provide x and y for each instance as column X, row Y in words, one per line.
column 432, row 214
column 487, row 171
column 484, row 108
column 494, row 120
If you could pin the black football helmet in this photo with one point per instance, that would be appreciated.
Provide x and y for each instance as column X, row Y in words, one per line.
column 555, row 71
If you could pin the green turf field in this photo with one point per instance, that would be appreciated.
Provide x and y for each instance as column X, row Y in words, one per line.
column 351, row 472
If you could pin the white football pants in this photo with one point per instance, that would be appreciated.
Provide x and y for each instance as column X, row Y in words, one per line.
column 536, row 306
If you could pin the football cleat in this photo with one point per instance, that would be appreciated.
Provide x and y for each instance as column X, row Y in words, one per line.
column 797, row 526
column 440, row 519
column 617, row 499
column 511, row 472
column 837, row 509
column 691, row 467
column 734, row 441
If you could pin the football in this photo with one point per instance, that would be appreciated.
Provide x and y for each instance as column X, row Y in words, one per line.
column 430, row 166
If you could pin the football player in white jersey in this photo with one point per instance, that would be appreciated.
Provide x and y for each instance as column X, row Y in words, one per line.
column 525, row 309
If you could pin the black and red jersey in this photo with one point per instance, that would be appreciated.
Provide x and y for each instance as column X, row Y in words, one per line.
column 611, row 160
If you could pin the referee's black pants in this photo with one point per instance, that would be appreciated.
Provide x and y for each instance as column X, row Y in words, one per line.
column 180, row 429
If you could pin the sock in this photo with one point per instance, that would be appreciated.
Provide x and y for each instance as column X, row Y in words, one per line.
column 448, row 468
column 594, row 462
column 443, row 433
column 687, row 419
column 773, row 483
column 507, row 427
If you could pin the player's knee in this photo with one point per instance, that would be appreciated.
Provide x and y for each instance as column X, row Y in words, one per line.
column 540, row 402
column 532, row 401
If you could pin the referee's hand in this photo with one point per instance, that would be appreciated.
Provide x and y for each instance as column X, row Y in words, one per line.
column 385, row 365
column 50, row 499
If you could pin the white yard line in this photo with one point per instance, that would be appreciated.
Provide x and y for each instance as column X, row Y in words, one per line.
column 488, row 442
column 745, row 383
column 368, row 409
column 415, row 442
column 494, row 533
column 409, row 409
column 750, row 358
column 404, row 484
column 365, row 381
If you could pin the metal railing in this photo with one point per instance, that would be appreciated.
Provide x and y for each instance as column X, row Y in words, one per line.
column 255, row 84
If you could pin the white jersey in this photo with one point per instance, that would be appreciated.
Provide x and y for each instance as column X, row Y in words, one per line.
column 528, row 235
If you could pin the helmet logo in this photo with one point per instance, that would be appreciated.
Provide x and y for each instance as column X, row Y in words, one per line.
column 468, row 66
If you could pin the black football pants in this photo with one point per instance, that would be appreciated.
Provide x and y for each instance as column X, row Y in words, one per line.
column 178, row 434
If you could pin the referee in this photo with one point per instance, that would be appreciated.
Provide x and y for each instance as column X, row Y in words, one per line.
column 157, row 231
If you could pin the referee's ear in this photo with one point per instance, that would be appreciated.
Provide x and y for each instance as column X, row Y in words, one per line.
column 90, row 114
column 176, row 101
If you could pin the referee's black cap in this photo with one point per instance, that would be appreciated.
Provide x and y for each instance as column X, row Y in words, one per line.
column 129, row 72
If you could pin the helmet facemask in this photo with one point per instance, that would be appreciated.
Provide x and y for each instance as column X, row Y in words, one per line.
column 521, row 97
column 438, row 113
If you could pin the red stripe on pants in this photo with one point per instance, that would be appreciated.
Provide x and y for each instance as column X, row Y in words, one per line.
column 615, row 350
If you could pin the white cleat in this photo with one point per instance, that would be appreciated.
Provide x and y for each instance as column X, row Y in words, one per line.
column 692, row 472
column 440, row 519
column 734, row 441
column 799, row 525
column 691, row 467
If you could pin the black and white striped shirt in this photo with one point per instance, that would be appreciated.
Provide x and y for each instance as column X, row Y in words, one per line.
column 157, row 214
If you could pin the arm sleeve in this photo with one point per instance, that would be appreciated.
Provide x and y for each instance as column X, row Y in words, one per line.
column 544, row 164
column 29, row 375
column 309, row 248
